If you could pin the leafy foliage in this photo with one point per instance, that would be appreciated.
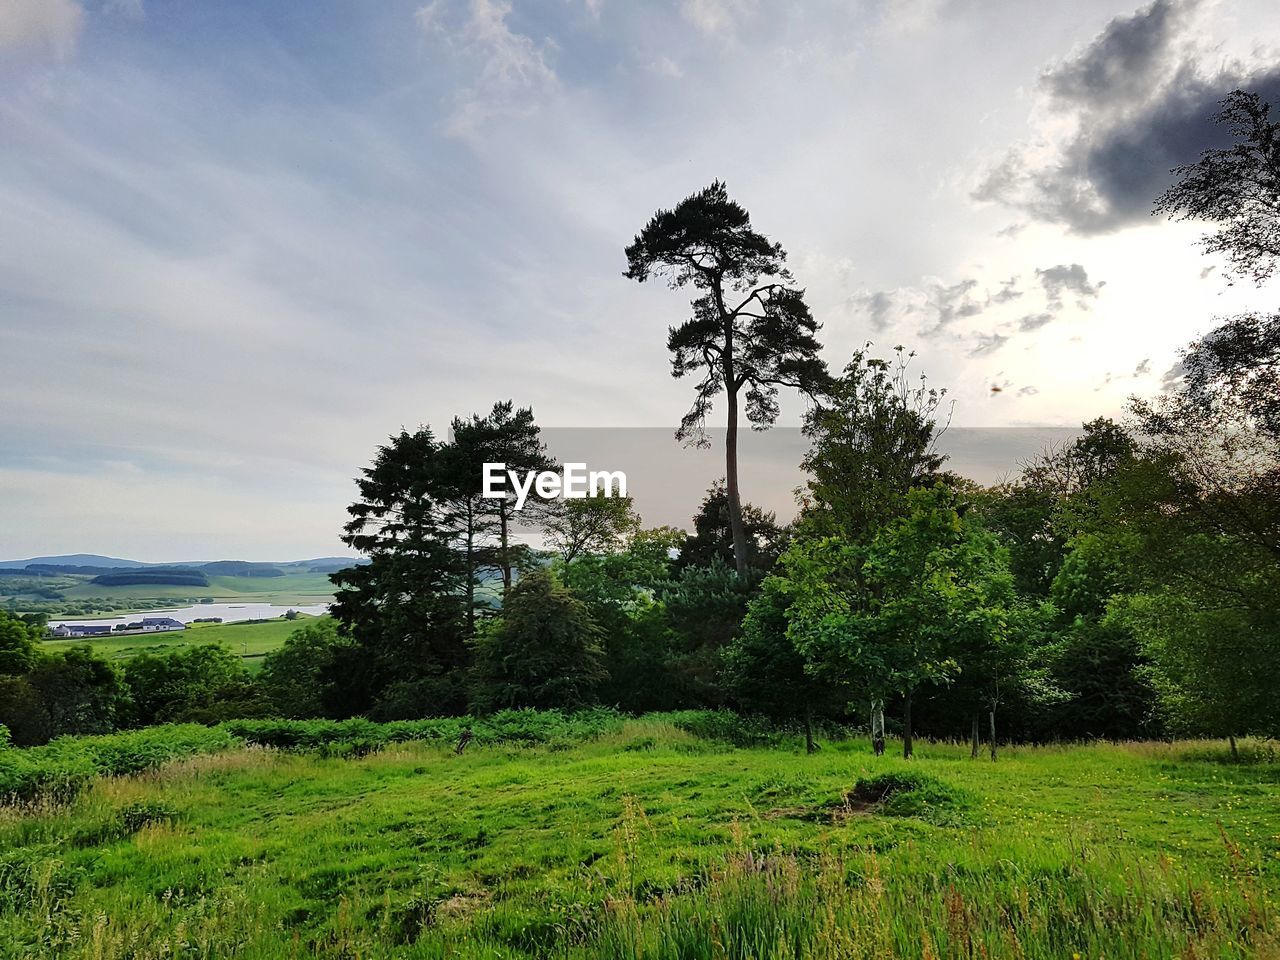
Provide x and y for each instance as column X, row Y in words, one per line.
column 544, row 651
column 1237, row 188
column 296, row 680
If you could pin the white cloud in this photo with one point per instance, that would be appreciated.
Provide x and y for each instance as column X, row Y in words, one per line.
column 666, row 67
column 510, row 73
column 51, row 25
column 716, row 16
column 911, row 16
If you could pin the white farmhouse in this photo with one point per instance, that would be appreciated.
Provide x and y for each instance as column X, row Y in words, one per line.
column 159, row 624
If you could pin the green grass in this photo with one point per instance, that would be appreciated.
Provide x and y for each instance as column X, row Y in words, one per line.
column 648, row 841
column 250, row 641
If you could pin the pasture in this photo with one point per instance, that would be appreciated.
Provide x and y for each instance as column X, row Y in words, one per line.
column 649, row 839
column 250, row 641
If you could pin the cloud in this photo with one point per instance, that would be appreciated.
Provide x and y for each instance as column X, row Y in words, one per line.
column 716, row 16
column 1134, row 103
column 1124, row 61
column 664, row 66
column 1028, row 391
column 511, row 74
column 1034, row 321
column 878, row 307
column 1171, row 379
column 1008, row 291
column 911, row 16
column 949, row 303
column 987, row 343
column 1068, row 278
column 52, row 26
column 1141, row 370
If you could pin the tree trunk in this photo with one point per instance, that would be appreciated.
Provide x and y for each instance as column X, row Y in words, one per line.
column 906, row 726
column 471, row 570
column 731, row 485
column 877, row 727
column 809, row 745
column 993, row 733
column 974, row 739
column 504, row 556
column 1235, row 751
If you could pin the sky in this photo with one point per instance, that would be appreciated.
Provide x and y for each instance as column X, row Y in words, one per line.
column 244, row 241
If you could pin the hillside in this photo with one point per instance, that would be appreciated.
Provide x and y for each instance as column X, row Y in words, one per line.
column 652, row 838
column 211, row 566
column 72, row 560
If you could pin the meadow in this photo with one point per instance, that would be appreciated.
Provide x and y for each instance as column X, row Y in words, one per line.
column 657, row 837
column 249, row 641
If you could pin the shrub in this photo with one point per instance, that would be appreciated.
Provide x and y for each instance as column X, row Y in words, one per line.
column 507, row 726
column 62, row 768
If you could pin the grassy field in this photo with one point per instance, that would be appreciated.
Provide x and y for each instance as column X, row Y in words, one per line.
column 75, row 596
column 252, row 641
column 649, row 842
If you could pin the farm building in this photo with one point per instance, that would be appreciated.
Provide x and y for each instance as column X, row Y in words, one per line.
column 80, row 630
column 157, row 624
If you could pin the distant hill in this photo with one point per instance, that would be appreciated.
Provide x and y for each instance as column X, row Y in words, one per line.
column 76, row 560
column 240, row 568
column 156, row 575
column 93, row 563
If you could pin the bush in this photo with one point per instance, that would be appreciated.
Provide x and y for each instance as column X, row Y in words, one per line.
column 508, row 726
column 62, row 768
column 725, row 726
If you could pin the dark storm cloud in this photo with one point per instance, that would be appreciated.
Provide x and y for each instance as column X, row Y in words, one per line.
column 1143, row 103
column 1068, row 278
column 1127, row 166
column 1125, row 60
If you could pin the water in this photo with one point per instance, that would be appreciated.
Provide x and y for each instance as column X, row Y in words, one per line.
column 229, row 612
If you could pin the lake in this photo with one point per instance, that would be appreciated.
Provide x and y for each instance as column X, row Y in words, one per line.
column 229, row 612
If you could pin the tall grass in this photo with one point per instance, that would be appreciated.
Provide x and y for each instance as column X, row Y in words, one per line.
column 771, row 906
column 592, row 836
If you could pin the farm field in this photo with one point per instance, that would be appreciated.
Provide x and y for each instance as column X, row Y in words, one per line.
column 649, row 841
column 69, row 595
column 250, row 641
